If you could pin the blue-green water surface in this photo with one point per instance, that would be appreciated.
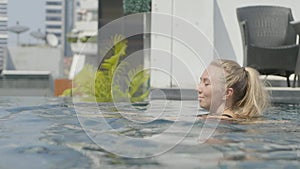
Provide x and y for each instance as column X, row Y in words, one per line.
column 50, row 133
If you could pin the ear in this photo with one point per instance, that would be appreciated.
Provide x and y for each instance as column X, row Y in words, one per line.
column 229, row 93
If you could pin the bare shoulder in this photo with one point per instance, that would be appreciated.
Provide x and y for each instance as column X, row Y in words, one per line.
column 216, row 117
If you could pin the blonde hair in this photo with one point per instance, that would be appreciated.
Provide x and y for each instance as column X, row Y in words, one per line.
column 250, row 98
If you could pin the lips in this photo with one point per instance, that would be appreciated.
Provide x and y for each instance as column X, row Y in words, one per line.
column 200, row 98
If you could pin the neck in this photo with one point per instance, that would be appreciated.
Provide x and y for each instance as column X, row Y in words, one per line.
column 229, row 111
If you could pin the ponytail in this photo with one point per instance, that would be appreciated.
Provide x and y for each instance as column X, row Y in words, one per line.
column 256, row 100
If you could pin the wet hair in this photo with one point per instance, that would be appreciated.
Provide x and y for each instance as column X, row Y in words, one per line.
column 250, row 98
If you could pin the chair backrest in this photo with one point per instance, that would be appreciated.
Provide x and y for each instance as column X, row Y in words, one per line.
column 267, row 26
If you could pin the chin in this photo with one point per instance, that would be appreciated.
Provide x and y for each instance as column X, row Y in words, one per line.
column 203, row 106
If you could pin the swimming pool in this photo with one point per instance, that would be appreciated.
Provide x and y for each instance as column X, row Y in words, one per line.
column 38, row 132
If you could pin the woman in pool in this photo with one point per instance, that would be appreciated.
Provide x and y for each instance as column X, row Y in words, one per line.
column 230, row 91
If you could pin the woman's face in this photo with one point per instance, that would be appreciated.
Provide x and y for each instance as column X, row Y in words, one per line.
column 211, row 88
column 205, row 91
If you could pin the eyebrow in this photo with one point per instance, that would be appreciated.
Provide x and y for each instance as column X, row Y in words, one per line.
column 204, row 79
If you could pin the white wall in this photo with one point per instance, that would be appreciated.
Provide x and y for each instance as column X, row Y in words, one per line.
column 215, row 19
column 185, row 55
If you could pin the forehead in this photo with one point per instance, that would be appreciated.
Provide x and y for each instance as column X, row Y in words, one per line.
column 205, row 75
column 212, row 72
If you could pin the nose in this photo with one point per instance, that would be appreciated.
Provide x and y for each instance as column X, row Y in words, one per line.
column 199, row 88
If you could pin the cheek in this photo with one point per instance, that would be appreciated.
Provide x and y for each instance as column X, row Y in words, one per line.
column 216, row 97
column 207, row 91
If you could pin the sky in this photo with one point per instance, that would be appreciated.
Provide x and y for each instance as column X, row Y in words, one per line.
column 29, row 13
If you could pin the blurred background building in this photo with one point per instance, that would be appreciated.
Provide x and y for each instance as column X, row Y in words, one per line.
column 83, row 36
column 3, row 32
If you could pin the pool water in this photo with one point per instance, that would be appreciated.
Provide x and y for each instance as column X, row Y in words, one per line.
column 38, row 132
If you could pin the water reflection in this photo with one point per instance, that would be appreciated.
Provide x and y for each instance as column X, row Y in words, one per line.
column 46, row 133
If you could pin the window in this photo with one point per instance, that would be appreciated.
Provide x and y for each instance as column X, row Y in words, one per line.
column 53, row 11
column 53, row 26
column 53, row 3
column 3, row 41
column 49, row 18
column 3, row 23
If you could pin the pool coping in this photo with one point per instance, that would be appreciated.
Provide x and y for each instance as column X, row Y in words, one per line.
column 284, row 94
column 278, row 94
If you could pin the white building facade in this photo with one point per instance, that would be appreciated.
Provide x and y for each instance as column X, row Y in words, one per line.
column 3, row 32
column 83, row 37
column 54, row 20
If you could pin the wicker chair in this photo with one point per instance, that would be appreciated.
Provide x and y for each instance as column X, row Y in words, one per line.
column 269, row 41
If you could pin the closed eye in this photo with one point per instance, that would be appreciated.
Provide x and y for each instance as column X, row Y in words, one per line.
column 205, row 81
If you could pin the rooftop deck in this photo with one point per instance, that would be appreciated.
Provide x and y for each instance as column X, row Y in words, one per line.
column 279, row 92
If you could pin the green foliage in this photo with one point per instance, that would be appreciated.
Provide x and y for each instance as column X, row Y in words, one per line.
column 90, row 39
column 136, row 6
column 82, row 82
column 67, row 92
column 138, row 84
column 82, row 85
column 105, row 85
column 104, row 77
column 72, row 39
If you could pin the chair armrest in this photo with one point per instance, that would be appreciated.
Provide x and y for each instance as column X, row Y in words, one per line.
column 297, row 69
column 244, row 32
column 296, row 26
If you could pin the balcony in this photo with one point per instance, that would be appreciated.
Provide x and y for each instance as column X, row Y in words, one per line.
column 89, row 4
column 84, row 48
column 84, row 25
